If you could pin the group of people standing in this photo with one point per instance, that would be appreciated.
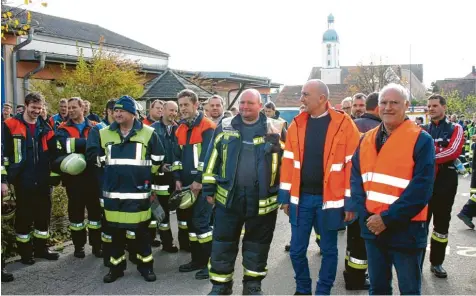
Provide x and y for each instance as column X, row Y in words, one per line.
column 371, row 170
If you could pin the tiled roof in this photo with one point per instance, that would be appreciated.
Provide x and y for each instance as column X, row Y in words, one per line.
column 79, row 31
column 290, row 95
column 169, row 84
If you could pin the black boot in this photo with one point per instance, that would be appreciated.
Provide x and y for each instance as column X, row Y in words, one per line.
column 79, row 252
column 202, row 274
column 27, row 260
column 113, row 275
column 222, row 289
column 170, row 249
column 148, row 275
column 466, row 220
column 191, row 266
column 47, row 254
column 6, row 276
column 356, row 281
column 97, row 251
column 439, row 271
column 156, row 243
column 252, row 288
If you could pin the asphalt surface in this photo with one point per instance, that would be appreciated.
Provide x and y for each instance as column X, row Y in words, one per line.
column 84, row 276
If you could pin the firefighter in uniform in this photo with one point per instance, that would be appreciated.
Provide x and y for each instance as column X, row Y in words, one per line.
column 72, row 137
column 61, row 116
column 164, row 182
column 29, row 149
column 193, row 137
column 155, row 113
column 449, row 140
column 469, row 210
column 391, row 181
column 241, row 178
column 356, row 256
column 130, row 153
column 315, row 185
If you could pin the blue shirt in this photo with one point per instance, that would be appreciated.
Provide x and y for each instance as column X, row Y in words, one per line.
column 80, row 126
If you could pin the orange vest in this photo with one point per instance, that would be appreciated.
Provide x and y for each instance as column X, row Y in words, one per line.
column 342, row 139
column 386, row 174
column 18, row 128
column 146, row 121
column 74, row 132
column 197, row 131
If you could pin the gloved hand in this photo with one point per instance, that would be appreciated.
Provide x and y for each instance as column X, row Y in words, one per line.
column 272, row 143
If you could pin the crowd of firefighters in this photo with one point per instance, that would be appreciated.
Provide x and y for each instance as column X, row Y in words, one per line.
column 365, row 167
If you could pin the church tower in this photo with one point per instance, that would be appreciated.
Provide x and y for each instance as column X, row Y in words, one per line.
column 330, row 70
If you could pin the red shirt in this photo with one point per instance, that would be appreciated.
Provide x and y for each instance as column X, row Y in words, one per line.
column 32, row 127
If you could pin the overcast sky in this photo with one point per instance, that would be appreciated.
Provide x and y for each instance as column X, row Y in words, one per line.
column 282, row 39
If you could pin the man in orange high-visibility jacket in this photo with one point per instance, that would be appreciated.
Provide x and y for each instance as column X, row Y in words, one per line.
column 392, row 182
column 315, row 175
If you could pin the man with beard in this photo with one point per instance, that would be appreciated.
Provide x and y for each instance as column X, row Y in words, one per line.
column 358, row 105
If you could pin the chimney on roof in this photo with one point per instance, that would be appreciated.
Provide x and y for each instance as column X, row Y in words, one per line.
column 474, row 70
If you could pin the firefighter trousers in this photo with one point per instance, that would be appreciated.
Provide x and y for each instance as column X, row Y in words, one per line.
column 33, row 209
column 81, row 198
column 183, row 216
column 226, row 238
column 199, row 231
column 356, row 255
column 141, row 246
column 439, row 207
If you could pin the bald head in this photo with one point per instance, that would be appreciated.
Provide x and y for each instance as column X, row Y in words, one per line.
column 170, row 112
column 250, row 105
column 314, row 96
column 251, row 93
column 319, row 86
column 170, row 104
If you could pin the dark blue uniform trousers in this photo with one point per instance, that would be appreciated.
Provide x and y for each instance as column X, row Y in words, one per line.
column 407, row 263
column 228, row 224
column 310, row 213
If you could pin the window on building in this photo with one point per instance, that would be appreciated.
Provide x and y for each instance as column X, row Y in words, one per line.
column 328, row 51
column 328, row 62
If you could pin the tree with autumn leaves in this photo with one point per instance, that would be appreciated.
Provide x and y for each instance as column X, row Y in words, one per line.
column 16, row 20
column 97, row 79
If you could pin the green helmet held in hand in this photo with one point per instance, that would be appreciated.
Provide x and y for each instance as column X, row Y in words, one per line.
column 73, row 164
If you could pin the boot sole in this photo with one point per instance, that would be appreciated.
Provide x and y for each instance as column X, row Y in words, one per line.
column 202, row 277
column 118, row 277
column 441, row 276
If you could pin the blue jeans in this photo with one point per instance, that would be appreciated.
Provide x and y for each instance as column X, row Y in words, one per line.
column 310, row 213
column 407, row 263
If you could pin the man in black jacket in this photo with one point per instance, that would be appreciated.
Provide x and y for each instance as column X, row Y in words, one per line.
column 356, row 256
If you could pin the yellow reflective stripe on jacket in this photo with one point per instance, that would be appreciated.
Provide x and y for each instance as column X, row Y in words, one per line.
column 106, row 238
column 17, row 150
column 130, row 234
column 221, row 195
column 208, row 178
column 258, row 140
column 205, row 237
column 268, row 205
column 176, row 165
column 274, row 168
column 192, row 237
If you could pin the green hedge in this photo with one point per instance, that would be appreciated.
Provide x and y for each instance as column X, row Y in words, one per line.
column 59, row 231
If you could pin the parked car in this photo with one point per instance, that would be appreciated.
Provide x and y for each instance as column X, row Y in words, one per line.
column 288, row 113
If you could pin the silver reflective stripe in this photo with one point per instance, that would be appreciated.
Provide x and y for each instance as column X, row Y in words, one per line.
column 101, row 202
column 205, row 235
column 138, row 151
column 123, row 161
column 255, row 273
column 195, row 155
column 357, row 261
column 385, row 179
column 131, row 233
column 68, row 145
column 41, row 232
column 153, row 222
column 23, row 236
column 288, row 154
column 183, row 223
column 160, row 187
column 439, row 235
column 294, row 200
column 157, row 157
column 109, row 152
column 106, row 235
column 95, row 223
column 333, row 204
column 285, row 186
column 165, row 225
column 120, row 195
column 191, row 234
column 347, row 193
column 380, row 197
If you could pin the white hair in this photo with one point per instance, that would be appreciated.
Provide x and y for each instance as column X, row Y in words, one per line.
column 348, row 99
column 395, row 87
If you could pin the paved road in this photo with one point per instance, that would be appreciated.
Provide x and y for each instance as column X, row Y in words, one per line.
column 84, row 276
